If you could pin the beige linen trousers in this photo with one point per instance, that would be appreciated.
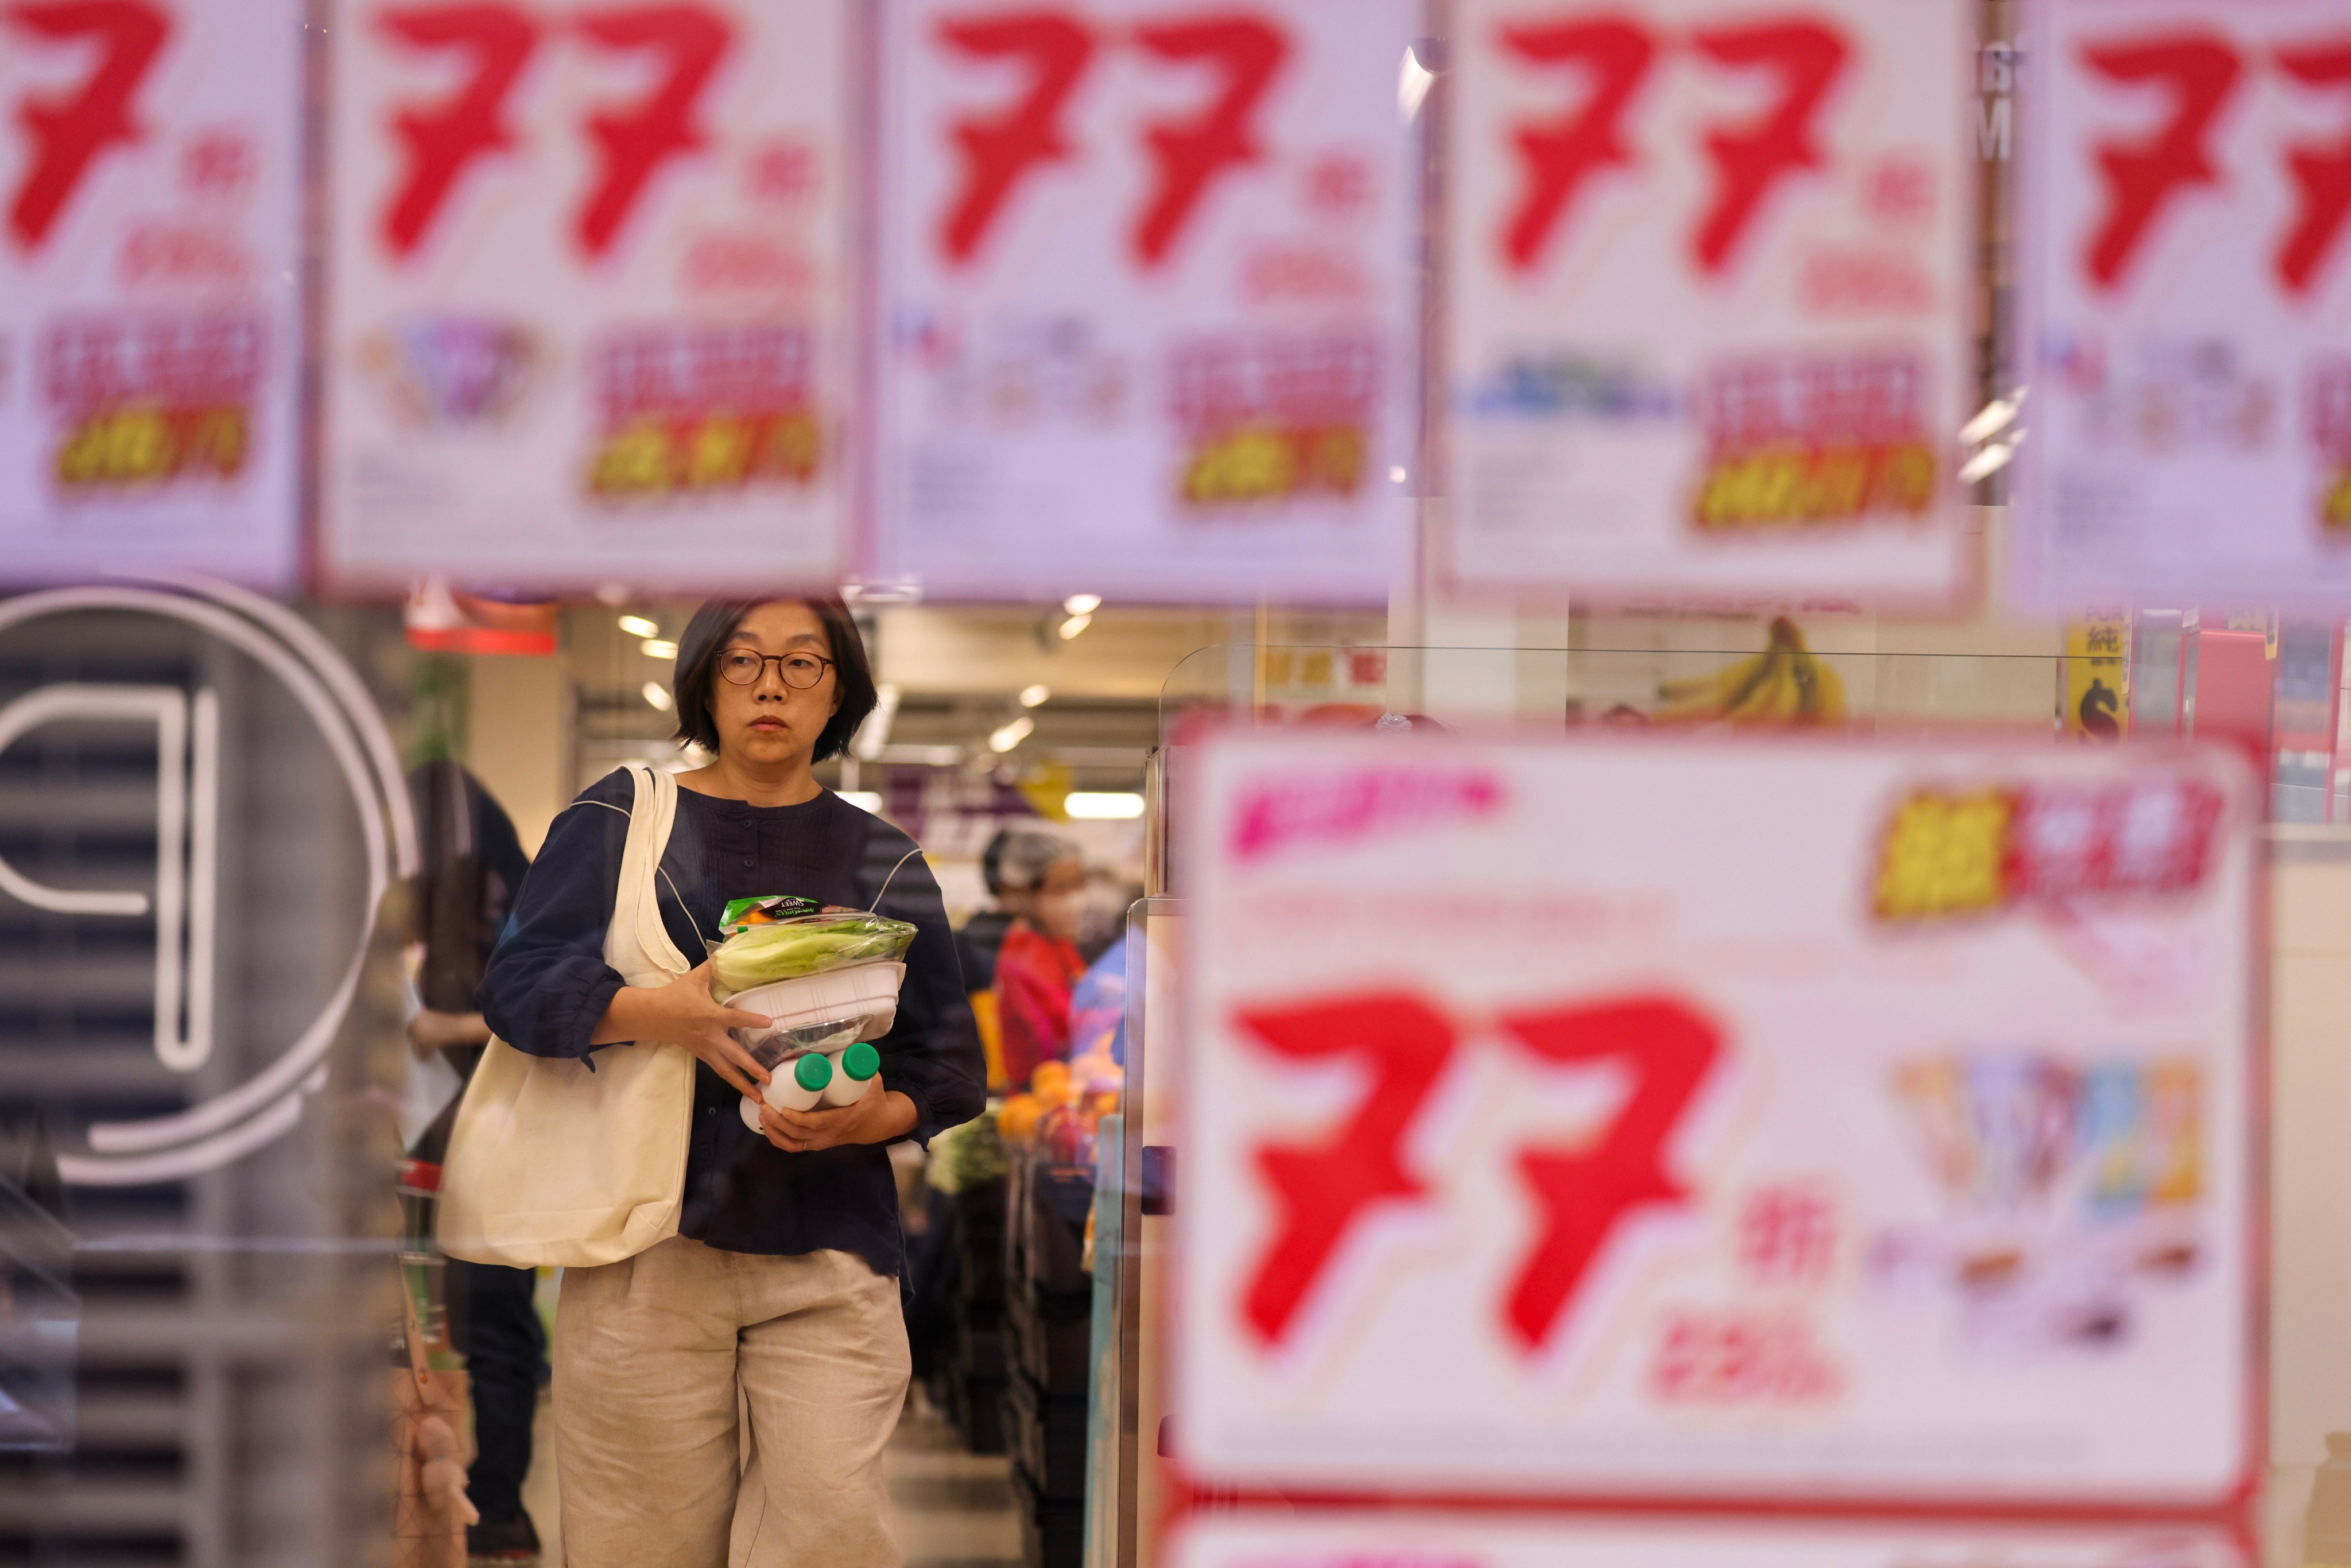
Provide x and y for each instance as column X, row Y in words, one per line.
column 721, row 1408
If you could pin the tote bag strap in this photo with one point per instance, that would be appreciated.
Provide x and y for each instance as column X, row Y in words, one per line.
column 636, row 944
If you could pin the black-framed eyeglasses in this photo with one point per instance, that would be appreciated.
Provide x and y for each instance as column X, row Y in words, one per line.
column 800, row 670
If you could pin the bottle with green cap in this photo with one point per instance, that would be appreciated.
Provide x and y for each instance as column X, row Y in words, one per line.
column 854, row 1072
column 793, row 1086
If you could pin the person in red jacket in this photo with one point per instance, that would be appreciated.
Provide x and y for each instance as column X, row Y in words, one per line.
column 1039, row 964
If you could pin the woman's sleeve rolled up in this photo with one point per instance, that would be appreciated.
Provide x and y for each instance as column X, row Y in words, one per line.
column 548, row 985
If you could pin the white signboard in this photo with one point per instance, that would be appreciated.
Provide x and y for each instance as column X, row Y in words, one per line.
column 1149, row 314
column 1804, row 1121
column 149, row 239
column 2185, row 263
column 1385, row 1539
column 1711, row 297
column 585, row 313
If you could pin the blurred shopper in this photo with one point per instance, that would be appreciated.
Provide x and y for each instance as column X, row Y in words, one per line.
column 982, row 936
column 1040, row 963
column 778, row 1296
column 472, row 865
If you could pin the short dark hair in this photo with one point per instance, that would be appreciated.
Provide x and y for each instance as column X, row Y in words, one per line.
column 705, row 637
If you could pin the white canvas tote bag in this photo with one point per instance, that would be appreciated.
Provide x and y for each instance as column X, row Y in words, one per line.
column 552, row 1163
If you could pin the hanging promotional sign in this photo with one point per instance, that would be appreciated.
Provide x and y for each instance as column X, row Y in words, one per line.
column 1709, row 299
column 149, row 239
column 2186, row 272
column 1825, row 1122
column 1148, row 303
column 1392, row 1539
column 585, row 314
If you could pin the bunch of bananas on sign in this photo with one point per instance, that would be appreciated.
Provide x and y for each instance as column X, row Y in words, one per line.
column 1784, row 684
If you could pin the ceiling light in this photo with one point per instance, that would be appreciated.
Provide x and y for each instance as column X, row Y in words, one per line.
column 1102, row 806
column 863, row 799
column 1082, row 603
column 1992, row 418
column 657, row 648
column 1034, row 697
column 1075, row 625
column 638, row 626
column 906, row 591
column 1413, row 83
column 657, row 696
column 1987, row 463
column 1011, row 735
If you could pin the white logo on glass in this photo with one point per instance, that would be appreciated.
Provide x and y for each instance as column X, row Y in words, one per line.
column 264, row 1107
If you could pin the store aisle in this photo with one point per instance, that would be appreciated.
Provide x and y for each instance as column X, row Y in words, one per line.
column 954, row 1510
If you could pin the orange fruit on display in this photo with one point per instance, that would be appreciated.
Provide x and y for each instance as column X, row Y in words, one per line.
column 1016, row 1122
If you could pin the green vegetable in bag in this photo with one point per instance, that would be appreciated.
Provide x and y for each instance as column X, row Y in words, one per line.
column 787, row 949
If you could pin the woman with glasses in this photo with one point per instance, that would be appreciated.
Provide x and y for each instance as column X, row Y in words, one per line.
column 777, row 1301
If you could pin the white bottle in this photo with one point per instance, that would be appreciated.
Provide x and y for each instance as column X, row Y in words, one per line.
column 854, row 1072
column 801, row 1088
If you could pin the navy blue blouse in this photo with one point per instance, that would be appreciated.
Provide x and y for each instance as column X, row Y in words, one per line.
column 547, row 985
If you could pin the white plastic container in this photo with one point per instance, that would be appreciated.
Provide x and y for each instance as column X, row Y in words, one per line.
column 854, row 1072
column 863, row 996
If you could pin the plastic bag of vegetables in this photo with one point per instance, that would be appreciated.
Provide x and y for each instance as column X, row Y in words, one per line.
column 763, row 952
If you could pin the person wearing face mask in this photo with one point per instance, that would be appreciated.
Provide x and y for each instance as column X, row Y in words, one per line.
column 773, row 1313
column 1040, row 963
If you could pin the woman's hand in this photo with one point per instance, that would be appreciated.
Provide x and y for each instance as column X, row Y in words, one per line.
column 683, row 1013
column 881, row 1115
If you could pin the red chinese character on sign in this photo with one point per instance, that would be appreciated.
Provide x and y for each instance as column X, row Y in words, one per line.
column 999, row 151
column 2200, row 70
column 1820, row 400
column 2057, row 844
column 1248, row 53
column 1787, row 1235
column 1807, row 58
column 2163, row 835
column 1587, row 1194
column 1613, row 57
column 217, row 160
column 782, row 172
column 104, row 362
column 1325, row 1189
column 690, row 41
column 70, row 129
column 1901, row 190
column 1338, row 182
column 2322, row 171
column 2149, row 837
column 495, row 41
